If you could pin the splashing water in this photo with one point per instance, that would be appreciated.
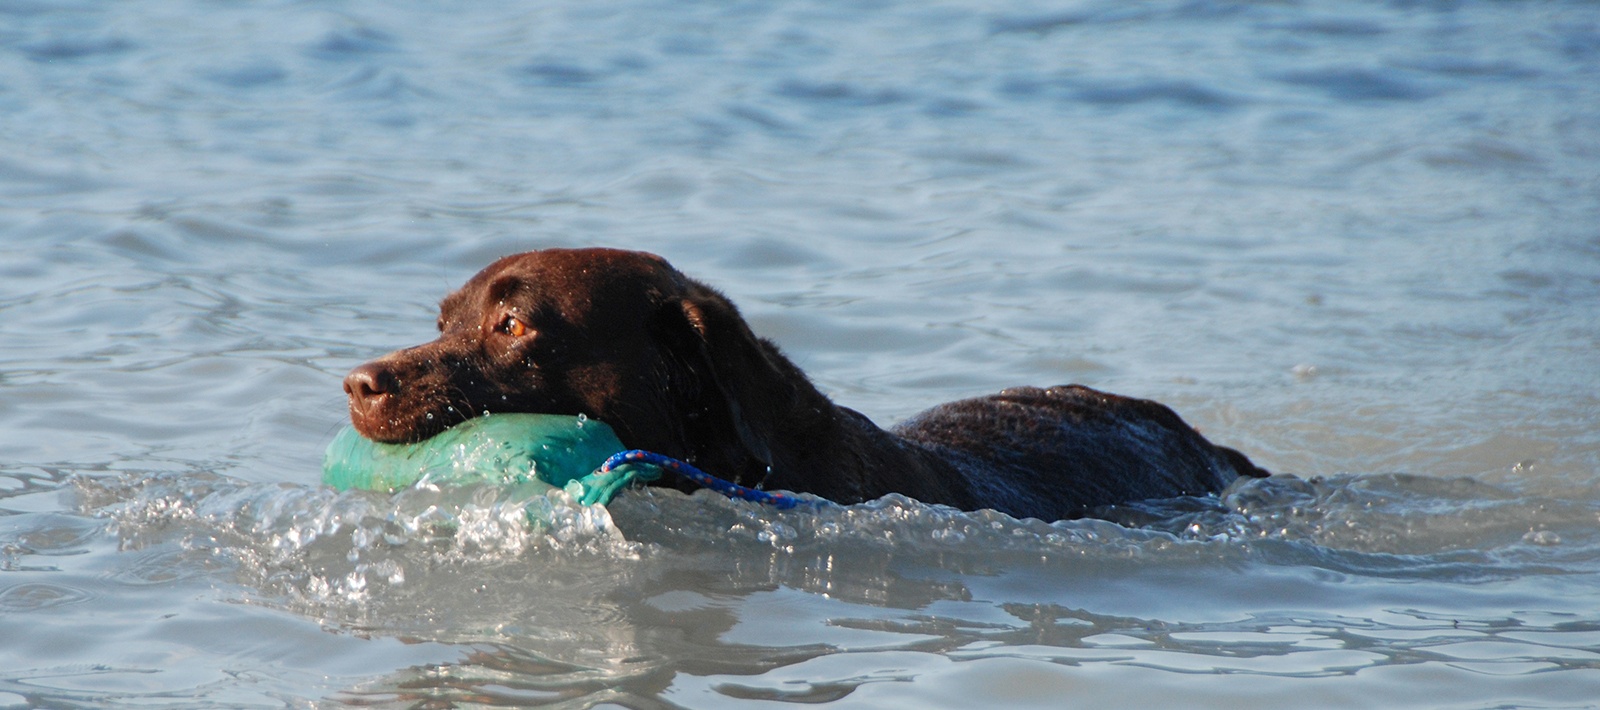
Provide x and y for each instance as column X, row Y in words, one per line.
column 326, row 548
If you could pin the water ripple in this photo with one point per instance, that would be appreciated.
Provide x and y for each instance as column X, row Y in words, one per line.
column 351, row 43
column 75, row 48
column 37, row 596
column 1358, row 84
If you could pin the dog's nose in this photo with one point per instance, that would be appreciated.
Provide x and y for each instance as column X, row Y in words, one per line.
column 369, row 385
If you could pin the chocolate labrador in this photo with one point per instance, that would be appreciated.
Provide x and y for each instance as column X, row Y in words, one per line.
column 670, row 364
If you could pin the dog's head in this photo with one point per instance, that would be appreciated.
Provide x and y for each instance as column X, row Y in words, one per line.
column 616, row 335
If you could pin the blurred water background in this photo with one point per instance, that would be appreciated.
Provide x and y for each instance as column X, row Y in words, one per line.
column 1358, row 240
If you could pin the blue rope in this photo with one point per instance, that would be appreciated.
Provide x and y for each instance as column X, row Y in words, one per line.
column 687, row 470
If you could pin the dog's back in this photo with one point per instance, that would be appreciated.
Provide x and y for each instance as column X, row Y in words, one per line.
column 1061, row 452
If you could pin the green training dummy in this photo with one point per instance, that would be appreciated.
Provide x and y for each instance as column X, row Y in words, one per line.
column 503, row 449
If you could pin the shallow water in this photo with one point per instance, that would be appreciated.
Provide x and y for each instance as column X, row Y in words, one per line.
column 1358, row 240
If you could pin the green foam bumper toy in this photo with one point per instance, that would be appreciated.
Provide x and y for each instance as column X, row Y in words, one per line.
column 502, row 449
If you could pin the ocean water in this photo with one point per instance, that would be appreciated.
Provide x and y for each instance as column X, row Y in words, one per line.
column 1359, row 241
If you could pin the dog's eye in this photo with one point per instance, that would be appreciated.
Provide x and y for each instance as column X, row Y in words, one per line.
column 513, row 326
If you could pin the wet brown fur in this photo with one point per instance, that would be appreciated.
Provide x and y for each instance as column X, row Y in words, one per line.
column 668, row 362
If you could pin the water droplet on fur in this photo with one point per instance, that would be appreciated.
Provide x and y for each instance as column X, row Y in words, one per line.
column 430, row 416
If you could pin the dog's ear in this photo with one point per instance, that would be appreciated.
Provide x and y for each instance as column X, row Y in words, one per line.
column 751, row 381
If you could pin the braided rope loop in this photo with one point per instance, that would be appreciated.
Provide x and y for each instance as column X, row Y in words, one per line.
column 687, row 470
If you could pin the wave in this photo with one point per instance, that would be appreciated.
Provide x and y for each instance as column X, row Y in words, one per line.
column 1281, row 576
column 322, row 549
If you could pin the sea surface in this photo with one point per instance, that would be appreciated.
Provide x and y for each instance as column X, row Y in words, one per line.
column 1357, row 240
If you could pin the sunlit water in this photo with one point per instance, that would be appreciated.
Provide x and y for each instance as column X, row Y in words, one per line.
column 1359, row 241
